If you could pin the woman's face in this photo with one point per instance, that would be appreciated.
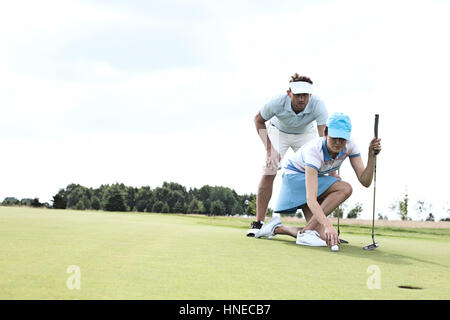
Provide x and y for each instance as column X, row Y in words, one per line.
column 335, row 145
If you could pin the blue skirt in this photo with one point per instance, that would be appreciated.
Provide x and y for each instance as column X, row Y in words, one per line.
column 293, row 191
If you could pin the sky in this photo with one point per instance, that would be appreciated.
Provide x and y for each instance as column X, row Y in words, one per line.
column 142, row 92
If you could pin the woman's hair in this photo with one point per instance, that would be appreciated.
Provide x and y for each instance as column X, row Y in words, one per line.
column 297, row 77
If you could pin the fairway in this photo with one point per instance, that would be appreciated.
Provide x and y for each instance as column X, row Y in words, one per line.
column 164, row 256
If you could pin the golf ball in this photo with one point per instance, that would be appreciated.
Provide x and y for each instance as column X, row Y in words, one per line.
column 335, row 248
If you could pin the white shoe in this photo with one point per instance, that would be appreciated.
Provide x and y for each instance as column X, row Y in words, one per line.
column 268, row 229
column 255, row 226
column 274, row 215
column 310, row 238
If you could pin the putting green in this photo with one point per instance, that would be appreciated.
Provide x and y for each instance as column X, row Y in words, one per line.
column 161, row 256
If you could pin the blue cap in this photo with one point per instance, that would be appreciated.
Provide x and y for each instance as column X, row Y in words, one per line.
column 339, row 126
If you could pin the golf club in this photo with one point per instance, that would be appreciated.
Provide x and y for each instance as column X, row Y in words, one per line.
column 374, row 244
column 338, row 230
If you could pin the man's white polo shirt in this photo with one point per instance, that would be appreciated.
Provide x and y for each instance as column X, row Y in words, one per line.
column 281, row 115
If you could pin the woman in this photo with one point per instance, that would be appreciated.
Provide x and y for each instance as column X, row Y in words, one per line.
column 306, row 183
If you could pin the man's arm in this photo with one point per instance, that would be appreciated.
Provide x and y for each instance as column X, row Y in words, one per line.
column 272, row 156
column 260, row 125
column 321, row 129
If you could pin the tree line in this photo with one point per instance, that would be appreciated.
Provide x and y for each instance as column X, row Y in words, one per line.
column 171, row 197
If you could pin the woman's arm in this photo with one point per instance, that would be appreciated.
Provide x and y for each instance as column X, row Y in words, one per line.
column 365, row 174
column 328, row 232
column 311, row 181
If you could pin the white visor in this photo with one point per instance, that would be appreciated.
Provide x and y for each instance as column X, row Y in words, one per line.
column 300, row 87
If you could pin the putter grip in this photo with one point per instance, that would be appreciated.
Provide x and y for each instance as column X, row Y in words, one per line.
column 376, row 128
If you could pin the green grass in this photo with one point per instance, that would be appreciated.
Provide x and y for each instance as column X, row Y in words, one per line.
column 156, row 256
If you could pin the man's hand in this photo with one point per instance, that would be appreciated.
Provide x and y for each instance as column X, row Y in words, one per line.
column 331, row 236
column 273, row 159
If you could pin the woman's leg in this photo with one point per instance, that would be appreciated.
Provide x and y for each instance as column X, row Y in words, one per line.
column 329, row 200
column 288, row 230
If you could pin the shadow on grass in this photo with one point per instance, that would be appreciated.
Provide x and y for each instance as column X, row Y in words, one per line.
column 358, row 252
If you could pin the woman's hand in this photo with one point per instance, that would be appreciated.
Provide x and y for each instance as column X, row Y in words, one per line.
column 331, row 236
column 374, row 146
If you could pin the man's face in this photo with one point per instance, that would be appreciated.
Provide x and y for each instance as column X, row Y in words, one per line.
column 299, row 101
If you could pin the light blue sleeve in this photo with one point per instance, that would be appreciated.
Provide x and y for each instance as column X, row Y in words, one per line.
column 270, row 109
column 312, row 157
column 321, row 113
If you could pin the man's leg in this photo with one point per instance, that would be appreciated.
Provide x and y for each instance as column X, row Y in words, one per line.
column 263, row 197
column 280, row 144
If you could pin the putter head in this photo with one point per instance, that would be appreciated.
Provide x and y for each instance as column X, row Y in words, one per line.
column 371, row 246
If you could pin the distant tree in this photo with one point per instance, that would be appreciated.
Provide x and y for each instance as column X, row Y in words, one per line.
column 173, row 198
column 35, row 203
column 204, row 193
column 196, row 206
column 115, row 199
column 161, row 194
column 157, row 206
column 447, row 211
column 225, row 195
column 60, row 200
column 381, row 217
column 430, row 217
column 86, row 202
column 165, row 208
column 251, row 209
column 130, row 197
column 217, row 208
column 74, row 193
column 401, row 207
column 10, row 201
column 178, row 207
column 141, row 205
column 80, row 205
column 95, row 203
column 206, row 205
column 26, row 202
column 144, row 199
column 173, row 186
column 237, row 209
column 339, row 211
column 355, row 211
column 423, row 209
column 299, row 213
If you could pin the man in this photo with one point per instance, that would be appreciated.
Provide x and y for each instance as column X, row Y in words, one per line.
column 291, row 125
